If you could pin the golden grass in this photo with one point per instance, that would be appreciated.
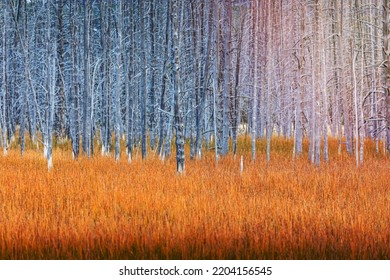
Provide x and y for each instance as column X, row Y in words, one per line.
column 100, row 209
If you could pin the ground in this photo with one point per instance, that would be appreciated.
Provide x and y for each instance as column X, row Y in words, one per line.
column 99, row 209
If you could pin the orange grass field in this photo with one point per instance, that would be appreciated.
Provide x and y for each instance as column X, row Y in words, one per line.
column 100, row 209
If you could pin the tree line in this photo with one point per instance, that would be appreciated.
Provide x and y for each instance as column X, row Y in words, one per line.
column 158, row 72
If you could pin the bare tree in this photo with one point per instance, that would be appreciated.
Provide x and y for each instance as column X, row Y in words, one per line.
column 87, row 85
column 387, row 63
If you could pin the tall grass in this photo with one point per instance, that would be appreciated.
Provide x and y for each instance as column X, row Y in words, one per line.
column 100, row 209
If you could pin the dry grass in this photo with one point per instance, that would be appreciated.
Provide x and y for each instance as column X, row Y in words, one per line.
column 99, row 209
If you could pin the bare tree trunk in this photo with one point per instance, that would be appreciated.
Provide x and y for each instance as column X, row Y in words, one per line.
column 236, row 97
column 269, row 125
column 206, row 71
column 324, row 81
column 298, row 100
column 23, row 98
column 387, row 62
column 356, row 108
column 130, row 90
column 152, row 94
column 215, row 86
column 343, row 80
column 87, row 86
column 4, row 83
column 51, row 79
column 117, row 107
column 177, row 92
column 60, row 121
column 314, row 150
column 144, row 90
column 51, row 97
column 160, row 147
column 226, row 75
column 337, row 96
column 374, row 107
column 215, row 90
column 74, row 87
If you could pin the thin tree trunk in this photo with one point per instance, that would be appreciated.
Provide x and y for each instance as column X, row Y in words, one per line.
column 117, row 109
column 4, row 84
column 387, row 62
column 152, row 119
column 160, row 147
column 144, row 90
column 269, row 126
column 236, row 99
column 226, row 76
column 255, row 19
column 51, row 79
column 356, row 108
column 179, row 126
column 324, row 81
column 130, row 91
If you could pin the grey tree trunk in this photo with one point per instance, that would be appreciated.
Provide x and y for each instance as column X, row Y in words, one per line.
column 163, row 117
column 60, row 113
column 107, row 67
column 24, row 99
column 51, row 79
column 387, row 61
column 324, row 86
column 255, row 17
column 117, row 107
column 269, row 125
column 4, row 83
column 152, row 62
column 179, row 126
column 196, row 76
column 236, row 99
column 130, row 92
column 226, row 76
column 343, row 80
column 298, row 104
column 206, row 76
column 87, row 86
column 51, row 101
column 74, row 87
column 316, row 87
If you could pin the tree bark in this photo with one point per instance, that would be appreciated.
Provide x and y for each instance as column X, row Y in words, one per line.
column 87, row 86
column 179, row 126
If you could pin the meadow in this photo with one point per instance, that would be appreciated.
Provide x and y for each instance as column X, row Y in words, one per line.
column 100, row 209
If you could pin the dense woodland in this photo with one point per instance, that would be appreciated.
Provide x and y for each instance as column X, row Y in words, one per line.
column 163, row 73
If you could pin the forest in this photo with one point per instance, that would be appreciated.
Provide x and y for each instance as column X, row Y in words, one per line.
column 158, row 72
column 179, row 129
